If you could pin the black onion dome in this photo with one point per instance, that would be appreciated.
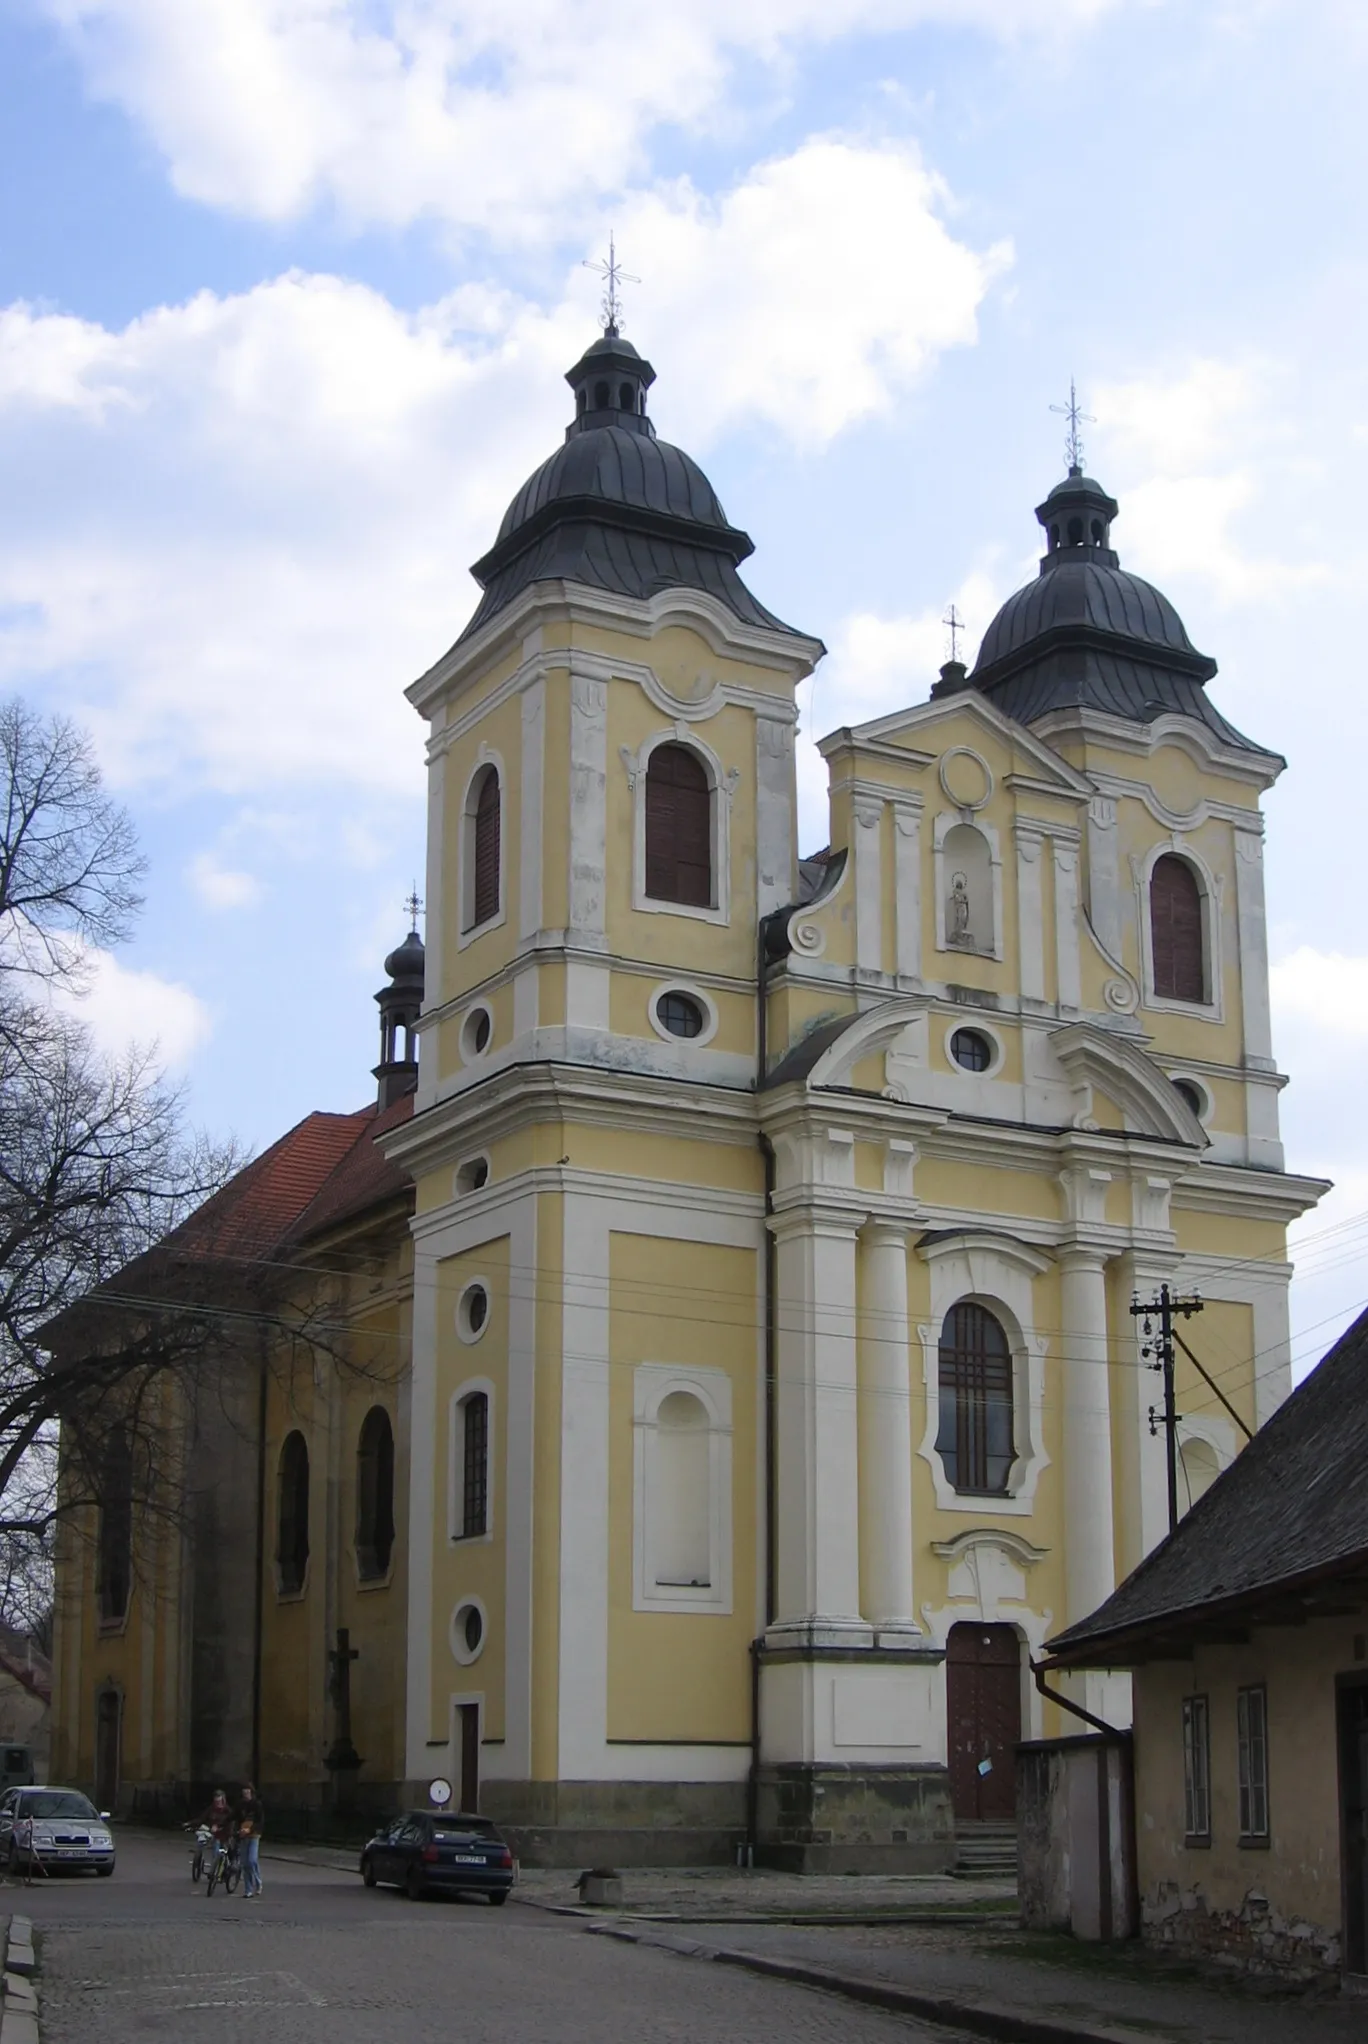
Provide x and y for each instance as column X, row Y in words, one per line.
column 408, row 960
column 615, row 507
column 1087, row 634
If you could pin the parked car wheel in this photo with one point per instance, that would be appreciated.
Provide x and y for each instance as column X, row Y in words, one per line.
column 414, row 1886
column 368, row 1871
column 498, row 1901
column 105, row 1872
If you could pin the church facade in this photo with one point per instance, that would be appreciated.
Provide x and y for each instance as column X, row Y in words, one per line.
column 781, row 1218
column 745, row 1299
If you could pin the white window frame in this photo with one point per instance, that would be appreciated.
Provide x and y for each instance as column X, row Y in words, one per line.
column 652, row 1384
column 722, row 783
column 1209, row 886
column 467, row 933
column 456, row 1463
column 1000, row 1275
column 1252, row 1782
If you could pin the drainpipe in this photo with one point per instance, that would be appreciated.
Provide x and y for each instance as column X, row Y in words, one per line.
column 770, row 1268
column 1039, row 1671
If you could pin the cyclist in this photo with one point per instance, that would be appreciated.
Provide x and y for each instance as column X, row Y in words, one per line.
column 250, row 1818
column 218, row 1820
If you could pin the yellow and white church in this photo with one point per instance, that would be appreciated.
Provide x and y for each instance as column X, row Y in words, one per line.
column 770, row 1388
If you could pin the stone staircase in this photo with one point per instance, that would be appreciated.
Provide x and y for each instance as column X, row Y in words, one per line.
column 985, row 1852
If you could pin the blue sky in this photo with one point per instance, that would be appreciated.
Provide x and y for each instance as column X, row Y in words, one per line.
column 286, row 291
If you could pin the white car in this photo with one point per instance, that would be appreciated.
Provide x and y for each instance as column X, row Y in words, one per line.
column 52, row 1828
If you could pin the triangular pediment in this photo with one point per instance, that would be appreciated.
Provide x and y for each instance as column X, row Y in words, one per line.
column 922, row 732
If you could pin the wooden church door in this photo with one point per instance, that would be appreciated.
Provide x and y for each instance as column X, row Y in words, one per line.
column 983, row 1709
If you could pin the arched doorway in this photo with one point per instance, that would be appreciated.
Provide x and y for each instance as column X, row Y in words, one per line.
column 983, row 1714
column 108, row 1731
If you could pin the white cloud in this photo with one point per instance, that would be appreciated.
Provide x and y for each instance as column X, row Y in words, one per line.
column 276, row 493
column 123, row 1007
column 222, row 887
column 508, row 116
column 1322, row 992
column 1195, row 450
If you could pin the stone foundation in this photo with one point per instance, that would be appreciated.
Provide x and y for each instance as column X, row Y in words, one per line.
column 1255, row 1938
column 619, row 1823
column 855, row 1820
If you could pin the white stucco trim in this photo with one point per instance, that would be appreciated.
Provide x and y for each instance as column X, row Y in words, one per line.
column 530, row 809
column 722, row 784
column 652, row 1383
column 695, row 993
column 464, row 1331
column 464, row 1656
column 1211, row 886
column 1000, row 1274
column 946, row 821
column 992, row 1037
column 467, row 932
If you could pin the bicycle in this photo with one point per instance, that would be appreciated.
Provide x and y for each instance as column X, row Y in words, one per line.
column 200, row 1840
column 226, row 1867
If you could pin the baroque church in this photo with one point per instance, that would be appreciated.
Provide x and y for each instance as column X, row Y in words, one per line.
column 736, row 1264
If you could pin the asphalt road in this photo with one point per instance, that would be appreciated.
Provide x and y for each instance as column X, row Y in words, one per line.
column 322, row 1960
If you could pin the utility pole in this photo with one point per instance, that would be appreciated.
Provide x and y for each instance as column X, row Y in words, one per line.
column 1160, row 1348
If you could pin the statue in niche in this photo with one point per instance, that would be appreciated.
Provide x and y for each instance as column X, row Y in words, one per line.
column 957, row 908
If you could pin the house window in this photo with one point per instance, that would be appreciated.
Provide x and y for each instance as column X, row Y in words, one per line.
column 482, row 848
column 1251, row 1721
column 375, row 1494
column 678, row 828
column 1176, row 931
column 292, row 1514
column 115, row 1560
column 976, row 1441
column 1196, row 1771
column 474, row 1514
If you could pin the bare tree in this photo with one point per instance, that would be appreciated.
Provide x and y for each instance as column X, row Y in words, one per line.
column 69, row 861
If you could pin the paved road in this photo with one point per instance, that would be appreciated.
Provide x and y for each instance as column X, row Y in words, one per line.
column 322, row 1960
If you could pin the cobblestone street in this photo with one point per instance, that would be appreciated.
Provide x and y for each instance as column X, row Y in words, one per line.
column 146, row 1955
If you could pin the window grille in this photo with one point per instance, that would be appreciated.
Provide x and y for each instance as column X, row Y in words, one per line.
column 1251, row 1719
column 976, row 1440
column 485, row 890
column 475, row 1465
column 1176, row 931
column 678, row 828
column 1196, row 1770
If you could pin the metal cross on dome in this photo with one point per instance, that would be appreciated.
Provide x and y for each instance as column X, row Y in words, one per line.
column 413, row 907
column 612, row 273
column 1073, row 444
column 955, row 622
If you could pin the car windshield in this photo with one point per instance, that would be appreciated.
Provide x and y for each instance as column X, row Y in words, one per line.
column 57, row 1803
column 468, row 1827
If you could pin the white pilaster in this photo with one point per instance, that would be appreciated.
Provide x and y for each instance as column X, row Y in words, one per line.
column 817, row 1450
column 774, row 813
column 1030, row 914
column 588, row 806
column 530, row 834
column 869, row 811
column 1088, row 1537
column 886, row 1435
column 1066, row 923
column 1252, row 931
column 1104, row 874
column 907, row 901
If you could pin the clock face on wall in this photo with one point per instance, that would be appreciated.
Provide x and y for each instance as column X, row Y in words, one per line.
column 439, row 1792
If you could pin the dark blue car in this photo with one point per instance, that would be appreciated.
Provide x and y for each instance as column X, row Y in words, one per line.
column 429, row 1849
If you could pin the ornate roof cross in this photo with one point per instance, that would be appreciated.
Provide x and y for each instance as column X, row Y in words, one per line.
column 413, row 907
column 955, row 622
column 1073, row 444
column 613, row 275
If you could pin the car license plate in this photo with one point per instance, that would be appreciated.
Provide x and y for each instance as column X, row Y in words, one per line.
column 469, row 1859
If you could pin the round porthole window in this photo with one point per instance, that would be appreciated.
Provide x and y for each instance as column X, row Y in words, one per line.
column 468, row 1627
column 476, row 1031
column 1191, row 1095
column 971, row 1049
column 680, row 1014
column 472, row 1312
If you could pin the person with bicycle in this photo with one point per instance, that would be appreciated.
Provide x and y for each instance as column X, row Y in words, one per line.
column 250, row 1818
column 218, row 1821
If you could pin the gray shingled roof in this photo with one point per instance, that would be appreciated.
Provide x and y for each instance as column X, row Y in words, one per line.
column 1291, row 1514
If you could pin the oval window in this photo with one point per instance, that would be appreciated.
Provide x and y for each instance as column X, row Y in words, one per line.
column 472, row 1314
column 1186, row 1091
column 681, row 1014
column 972, row 1049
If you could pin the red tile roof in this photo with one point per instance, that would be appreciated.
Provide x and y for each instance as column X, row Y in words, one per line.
column 362, row 1178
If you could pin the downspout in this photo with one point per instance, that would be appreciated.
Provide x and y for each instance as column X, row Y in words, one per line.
column 769, row 1267
column 258, row 1621
column 1039, row 1671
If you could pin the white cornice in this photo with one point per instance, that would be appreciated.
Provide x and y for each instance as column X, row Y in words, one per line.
column 1059, row 778
column 1260, row 769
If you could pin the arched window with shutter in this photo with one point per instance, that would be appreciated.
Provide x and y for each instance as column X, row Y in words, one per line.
column 679, row 863
column 292, row 1513
column 976, row 1441
column 375, row 1495
column 1176, row 942
column 483, row 849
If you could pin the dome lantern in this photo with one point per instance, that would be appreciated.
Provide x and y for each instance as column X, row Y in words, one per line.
column 400, row 1004
column 610, row 382
column 1077, row 519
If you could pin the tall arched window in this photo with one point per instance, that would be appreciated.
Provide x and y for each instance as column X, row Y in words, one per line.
column 1176, row 931
column 682, row 1504
column 292, row 1514
column 474, row 1512
column 678, row 828
column 482, row 848
column 976, row 1441
column 375, row 1494
column 115, row 1557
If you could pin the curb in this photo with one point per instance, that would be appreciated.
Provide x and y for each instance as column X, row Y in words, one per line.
column 979, row 2018
column 19, row 2011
